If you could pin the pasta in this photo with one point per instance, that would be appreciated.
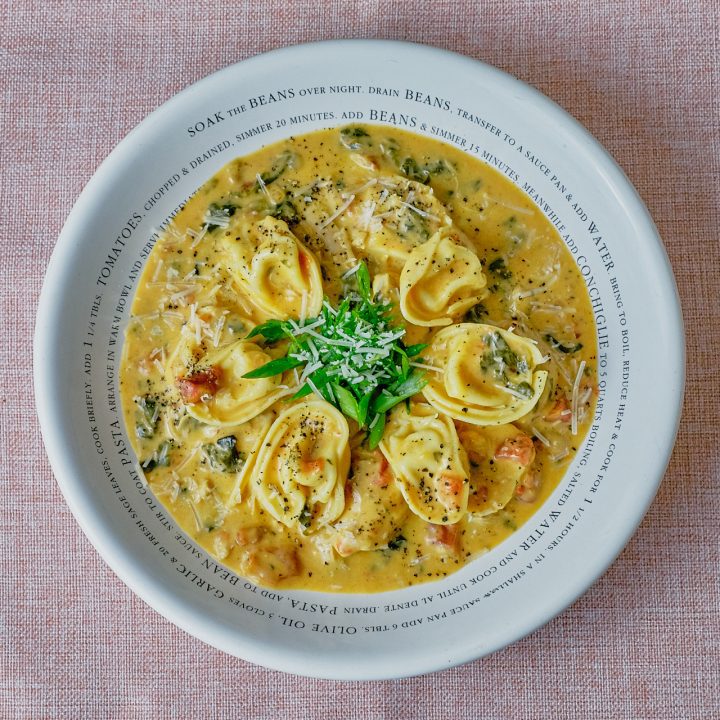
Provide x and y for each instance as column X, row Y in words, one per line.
column 488, row 375
column 301, row 469
column 424, row 452
column 357, row 360
column 273, row 268
column 440, row 281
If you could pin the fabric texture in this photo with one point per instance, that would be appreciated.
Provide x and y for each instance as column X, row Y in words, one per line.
column 76, row 76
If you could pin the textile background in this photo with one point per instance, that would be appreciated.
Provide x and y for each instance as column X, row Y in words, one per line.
column 76, row 76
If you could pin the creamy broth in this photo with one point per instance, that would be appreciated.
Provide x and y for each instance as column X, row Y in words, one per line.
column 293, row 492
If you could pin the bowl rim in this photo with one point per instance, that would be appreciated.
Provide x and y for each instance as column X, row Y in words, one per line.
column 68, row 470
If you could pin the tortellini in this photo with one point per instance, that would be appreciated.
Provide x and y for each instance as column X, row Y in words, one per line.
column 391, row 216
column 324, row 230
column 440, row 281
column 215, row 392
column 301, row 468
column 374, row 507
column 487, row 375
column 276, row 272
column 499, row 456
column 424, row 452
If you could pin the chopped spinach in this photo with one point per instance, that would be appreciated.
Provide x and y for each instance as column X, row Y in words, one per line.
column 146, row 417
column 305, row 516
column 223, row 455
column 476, row 314
column 217, row 214
column 286, row 211
column 355, row 138
column 279, row 166
column 500, row 357
column 557, row 345
column 498, row 268
column 397, row 542
column 160, row 458
column 413, row 171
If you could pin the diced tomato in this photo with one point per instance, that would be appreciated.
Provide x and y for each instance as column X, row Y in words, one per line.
column 528, row 489
column 312, row 466
column 446, row 535
column 270, row 564
column 384, row 474
column 249, row 536
column 451, row 483
column 304, row 262
column 204, row 382
column 560, row 411
column 519, row 449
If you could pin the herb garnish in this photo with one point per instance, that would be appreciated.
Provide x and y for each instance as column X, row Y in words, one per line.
column 353, row 357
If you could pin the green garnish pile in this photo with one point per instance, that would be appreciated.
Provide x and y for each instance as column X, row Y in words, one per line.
column 352, row 356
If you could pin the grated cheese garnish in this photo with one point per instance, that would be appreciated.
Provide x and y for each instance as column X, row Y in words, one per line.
column 575, row 397
column 338, row 212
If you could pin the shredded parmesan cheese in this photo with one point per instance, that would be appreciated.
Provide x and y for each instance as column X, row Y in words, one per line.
column 540, row 436
column 338, row 212
column 575, row 398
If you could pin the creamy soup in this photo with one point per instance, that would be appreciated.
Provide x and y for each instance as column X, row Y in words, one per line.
column 357, row 360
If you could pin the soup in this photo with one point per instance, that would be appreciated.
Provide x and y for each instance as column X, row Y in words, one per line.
column 357, row 360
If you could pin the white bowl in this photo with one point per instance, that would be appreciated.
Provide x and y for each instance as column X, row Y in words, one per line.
column 499, row 597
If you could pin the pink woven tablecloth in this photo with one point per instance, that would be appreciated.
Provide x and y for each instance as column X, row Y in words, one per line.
column 75, row 77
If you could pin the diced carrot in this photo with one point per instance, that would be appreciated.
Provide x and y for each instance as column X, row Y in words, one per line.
column 519, row 449
column 204, row 382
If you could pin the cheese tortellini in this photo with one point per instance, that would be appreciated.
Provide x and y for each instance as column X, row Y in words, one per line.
column 440, row 281
column 424, row 452
column 301, row 468
column 215, row 392
column 393, row 215
column 488, row 375
column 374, row 507
column 273, row 269
column 499, row 458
